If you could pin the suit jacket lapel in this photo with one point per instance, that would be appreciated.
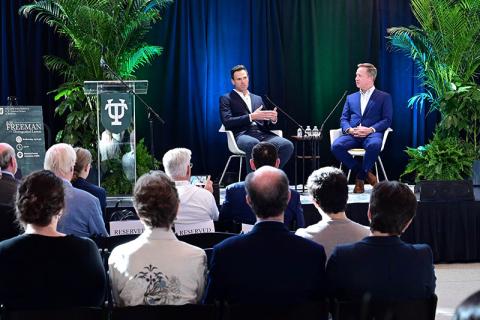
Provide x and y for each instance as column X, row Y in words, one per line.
column 370, row 104
column 240, row 100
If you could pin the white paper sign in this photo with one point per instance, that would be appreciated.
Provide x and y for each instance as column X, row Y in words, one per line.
column 201, row 227
column 247, row 227
column 120, row 228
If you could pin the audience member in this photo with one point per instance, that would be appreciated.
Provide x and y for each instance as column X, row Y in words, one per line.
column 197, row 204
column 80, row 174
column 269, row 264
column 382, row 265
column 43, row 267
column 82, row 215
column 8, row 168
column 328, row 188
column 235, row 207
column 469, row 309
column 156, row 268
column 8, row 188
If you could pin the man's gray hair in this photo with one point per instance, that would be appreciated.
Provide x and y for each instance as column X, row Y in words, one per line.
column 60, row 159
column 6, row 155
column 175, row 162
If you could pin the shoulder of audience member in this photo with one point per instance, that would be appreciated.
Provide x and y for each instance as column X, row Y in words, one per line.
column 85, row 197
column 236, row 185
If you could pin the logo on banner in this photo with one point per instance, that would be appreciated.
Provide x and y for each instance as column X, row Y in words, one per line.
column 116, row 111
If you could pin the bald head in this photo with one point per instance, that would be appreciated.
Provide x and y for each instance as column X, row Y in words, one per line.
column 7, row 158
column 267, row 192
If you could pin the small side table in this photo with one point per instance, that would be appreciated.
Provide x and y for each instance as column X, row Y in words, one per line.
column 310, row 151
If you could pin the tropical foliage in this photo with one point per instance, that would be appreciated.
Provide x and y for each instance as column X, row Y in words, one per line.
column 446, row 49
column 116, row 182
column 442, row 159
column 114, row 29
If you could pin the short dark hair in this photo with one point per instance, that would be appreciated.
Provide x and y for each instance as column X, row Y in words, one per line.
column 155, row 199
column 239, row 67
column 40, row 197
column 469, row 309
column 264, row 154
column 329, row 188
column 392, row 205
column 268, row 198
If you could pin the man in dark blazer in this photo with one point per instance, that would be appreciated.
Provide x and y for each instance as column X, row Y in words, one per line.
column 235, row 207
column 382, row 265
column 269, row 264
column 8, row 167
column 8, row 190
column 245, row 114
column 365, row 117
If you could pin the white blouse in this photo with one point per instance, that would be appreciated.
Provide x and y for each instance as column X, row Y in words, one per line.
column 157, row 268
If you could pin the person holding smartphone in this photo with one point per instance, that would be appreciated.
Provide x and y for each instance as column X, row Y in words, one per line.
column 197, row 203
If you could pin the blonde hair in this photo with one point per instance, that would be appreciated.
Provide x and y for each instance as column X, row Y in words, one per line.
column 371, row 70
column 84, row 158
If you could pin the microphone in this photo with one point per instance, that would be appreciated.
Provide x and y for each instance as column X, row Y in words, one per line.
column 285, row 113
column 331, row 112
column 103, row 63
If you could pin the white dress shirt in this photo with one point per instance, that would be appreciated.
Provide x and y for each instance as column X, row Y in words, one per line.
column 196, row 204
column 157, row 268
column 364, row 97
column 245, row 98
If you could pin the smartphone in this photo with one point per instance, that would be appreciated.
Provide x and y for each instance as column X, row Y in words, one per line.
column 199, row 180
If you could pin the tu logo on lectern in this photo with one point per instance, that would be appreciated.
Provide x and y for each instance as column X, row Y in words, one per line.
column 116, row 111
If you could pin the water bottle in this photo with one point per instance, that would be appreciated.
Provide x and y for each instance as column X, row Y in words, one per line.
column 315, row 132
column 299, row 132
column 308, row 132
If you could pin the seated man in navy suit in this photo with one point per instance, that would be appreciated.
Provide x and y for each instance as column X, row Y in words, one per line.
column 365, row 117
column 383, row 266
column 244, row 113
column 235, row 207
column 268, row 265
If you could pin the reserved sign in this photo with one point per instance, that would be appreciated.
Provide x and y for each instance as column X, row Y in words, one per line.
column 120, row 228
column 201, row 227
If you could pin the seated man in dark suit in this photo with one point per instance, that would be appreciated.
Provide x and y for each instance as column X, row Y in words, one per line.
column 83, row 164
column 235, row 207
column 245, row 114
column 8, row 168
column 382, row 265
column 268, row 265
column 8, row 189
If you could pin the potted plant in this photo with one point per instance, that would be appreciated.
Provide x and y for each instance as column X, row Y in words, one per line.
column 446, row 50
column 113, row 29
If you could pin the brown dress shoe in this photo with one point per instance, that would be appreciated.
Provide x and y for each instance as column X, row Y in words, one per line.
column 359, row 186
column 371, row 178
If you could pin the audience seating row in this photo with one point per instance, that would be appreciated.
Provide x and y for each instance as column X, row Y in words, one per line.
column 358, row 310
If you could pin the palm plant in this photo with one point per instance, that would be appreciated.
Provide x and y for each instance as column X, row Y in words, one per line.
column 445, row 47
column 446, row 50
column 115, row 29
